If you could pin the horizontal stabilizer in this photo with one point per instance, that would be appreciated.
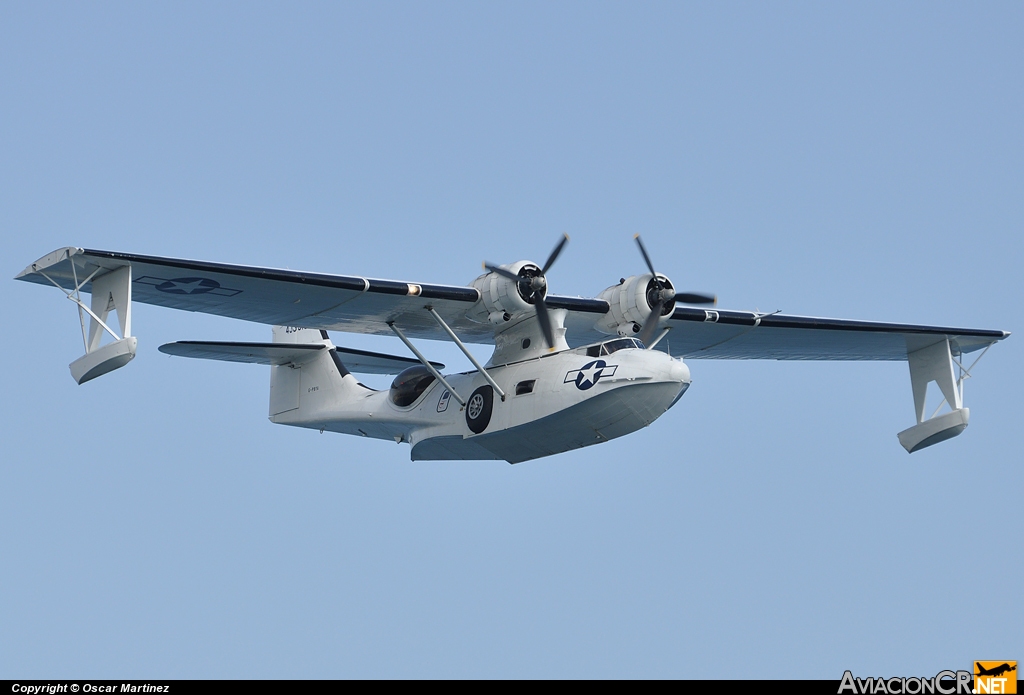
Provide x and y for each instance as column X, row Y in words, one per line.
column 359, row 361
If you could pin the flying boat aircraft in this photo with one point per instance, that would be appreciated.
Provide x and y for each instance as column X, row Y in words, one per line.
column 566, row 372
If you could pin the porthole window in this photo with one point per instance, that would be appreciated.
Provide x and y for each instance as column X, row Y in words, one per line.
column 524, row 387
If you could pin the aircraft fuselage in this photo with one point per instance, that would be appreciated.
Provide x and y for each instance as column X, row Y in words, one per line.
column 560, row 401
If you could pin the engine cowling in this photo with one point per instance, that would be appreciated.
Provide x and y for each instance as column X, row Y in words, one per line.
column 502, row 299
column 631, row 302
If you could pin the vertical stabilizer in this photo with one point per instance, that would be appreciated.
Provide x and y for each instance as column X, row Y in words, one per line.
column 286, row 380
column 309, row 391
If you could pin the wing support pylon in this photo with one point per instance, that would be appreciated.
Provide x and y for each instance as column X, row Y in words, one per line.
column 111, row 291
column 936, row 363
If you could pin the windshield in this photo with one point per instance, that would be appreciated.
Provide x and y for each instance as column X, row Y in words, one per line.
column 620, row 344
column 614, row 346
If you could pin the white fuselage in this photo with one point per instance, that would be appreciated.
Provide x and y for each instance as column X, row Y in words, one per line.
column 575, row 399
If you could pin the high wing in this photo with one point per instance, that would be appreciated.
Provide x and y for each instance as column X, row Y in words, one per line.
column 365, row 305
column 273, row 296
column 744, row 335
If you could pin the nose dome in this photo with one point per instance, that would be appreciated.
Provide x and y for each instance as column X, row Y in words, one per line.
column 679, row 371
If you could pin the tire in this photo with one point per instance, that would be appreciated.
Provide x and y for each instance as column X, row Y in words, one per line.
column 478, row 409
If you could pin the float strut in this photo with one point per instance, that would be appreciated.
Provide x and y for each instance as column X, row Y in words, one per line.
column 465, row 351
column 426, row 362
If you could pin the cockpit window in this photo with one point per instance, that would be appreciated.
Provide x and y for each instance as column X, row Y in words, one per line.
column 620, row 344
column 614, row 346
column 410, row 385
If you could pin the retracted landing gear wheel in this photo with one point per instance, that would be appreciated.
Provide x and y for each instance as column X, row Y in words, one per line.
column 478, row 409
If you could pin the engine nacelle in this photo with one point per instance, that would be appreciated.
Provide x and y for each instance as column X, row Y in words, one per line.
column 502, row 299
column 631, row 302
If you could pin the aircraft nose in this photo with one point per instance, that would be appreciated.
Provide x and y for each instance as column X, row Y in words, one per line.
column 678, row 371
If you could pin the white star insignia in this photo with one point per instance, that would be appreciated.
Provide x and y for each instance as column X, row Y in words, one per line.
column 187, row 287
column 590, row 375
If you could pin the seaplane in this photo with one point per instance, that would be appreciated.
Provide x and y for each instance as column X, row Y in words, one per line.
column 566, row 372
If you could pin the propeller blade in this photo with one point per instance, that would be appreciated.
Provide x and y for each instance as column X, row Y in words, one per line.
column 647, row 259
column 503, row 272
column 696, row 298
column 647, row 332
column 545, row 321
column 554, row 254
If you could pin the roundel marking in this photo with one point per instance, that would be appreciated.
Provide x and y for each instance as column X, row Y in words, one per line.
column 188, row 286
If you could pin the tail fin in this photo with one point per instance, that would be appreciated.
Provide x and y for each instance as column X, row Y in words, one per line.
column 317, row 379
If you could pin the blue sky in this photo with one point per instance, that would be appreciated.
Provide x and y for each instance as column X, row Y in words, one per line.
column 851, row 160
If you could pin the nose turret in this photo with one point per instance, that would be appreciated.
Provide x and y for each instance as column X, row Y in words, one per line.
column 678, row 371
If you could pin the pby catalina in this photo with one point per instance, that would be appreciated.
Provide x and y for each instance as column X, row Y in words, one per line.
column 566, row 372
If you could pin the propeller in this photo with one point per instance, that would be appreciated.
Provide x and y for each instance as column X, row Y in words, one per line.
column 662, row 295
column 533, row 287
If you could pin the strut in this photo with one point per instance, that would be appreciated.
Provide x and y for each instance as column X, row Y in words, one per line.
column 466, row 352
column 426, row 362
